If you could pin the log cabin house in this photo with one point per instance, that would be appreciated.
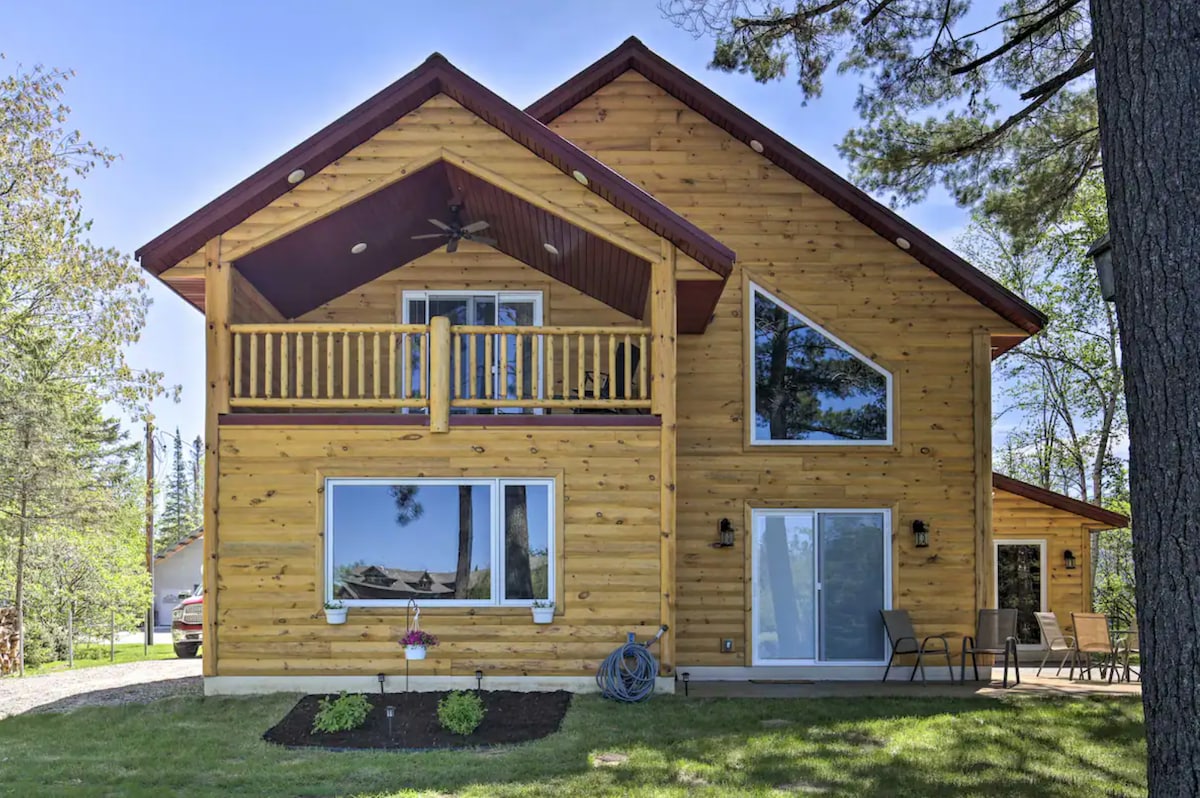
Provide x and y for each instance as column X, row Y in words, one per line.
column 626, row 350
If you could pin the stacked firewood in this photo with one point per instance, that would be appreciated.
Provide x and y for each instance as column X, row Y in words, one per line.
column 8, row 640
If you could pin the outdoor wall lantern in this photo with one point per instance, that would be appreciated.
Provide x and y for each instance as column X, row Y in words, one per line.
column 724, row 534
column 920, row 534
column 1101, row 253
column 1069, row 560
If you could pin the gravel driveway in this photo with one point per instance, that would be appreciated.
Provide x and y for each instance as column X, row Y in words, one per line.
column 107, row 685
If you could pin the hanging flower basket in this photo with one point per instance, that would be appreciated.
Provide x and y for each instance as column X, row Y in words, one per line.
column 416, row 643
column 543, row 611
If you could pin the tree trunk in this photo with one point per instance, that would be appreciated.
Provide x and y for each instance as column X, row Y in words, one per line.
column 22, row 538
column 1147, row 63
column 462, row 576
column 518, row 572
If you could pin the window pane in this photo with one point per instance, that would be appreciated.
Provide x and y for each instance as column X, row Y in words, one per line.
column 852, row 581
column 785, row 589
column 527, row 535
column 807, row 387
column 402, row 540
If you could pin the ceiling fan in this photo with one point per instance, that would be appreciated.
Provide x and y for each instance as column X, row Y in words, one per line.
column 456, row 231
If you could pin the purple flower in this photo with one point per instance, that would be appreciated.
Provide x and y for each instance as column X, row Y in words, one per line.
column 417, row 637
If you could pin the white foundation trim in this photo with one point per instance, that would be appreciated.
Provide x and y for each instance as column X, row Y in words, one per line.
column 820, row 673
column 253, row 685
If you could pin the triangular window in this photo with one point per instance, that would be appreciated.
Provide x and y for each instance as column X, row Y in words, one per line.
column 810, row 388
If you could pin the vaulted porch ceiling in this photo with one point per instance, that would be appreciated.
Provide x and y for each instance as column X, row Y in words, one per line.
column 314, row 264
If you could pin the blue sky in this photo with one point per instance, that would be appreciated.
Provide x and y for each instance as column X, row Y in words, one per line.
column 196, row 96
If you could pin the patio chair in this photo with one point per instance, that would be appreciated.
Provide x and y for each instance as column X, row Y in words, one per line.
column 1131, row 647
column 1093, row 637
column 995, row 633
column 904, row 639
column 1056, row 641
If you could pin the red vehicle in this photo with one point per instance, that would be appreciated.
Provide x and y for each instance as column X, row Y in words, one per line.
column 187, row 625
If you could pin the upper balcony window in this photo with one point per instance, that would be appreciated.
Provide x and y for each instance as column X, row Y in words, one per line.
column 808, row 387
column 464, row 542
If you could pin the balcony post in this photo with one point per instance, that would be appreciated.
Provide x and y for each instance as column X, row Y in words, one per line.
column 439, row 374
column 663, row 330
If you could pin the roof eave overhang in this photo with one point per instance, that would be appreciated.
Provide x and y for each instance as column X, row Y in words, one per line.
column 435, row 76
column 1104, row 519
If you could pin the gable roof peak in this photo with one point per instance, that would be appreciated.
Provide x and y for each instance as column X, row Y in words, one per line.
column 634, row 54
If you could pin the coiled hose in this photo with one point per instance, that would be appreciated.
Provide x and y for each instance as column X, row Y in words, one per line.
column 628, row 673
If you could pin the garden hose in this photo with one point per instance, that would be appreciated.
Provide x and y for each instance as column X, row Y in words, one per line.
column 628, row 673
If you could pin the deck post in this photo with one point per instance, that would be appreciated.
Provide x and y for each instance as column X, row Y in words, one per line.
column 663, row 330
column 218, row 287
column 981, row 366
column 439, row 374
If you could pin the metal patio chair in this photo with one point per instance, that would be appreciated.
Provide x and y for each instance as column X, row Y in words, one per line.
column 996, row 634
column 1092, row 637
column 1056, row 641
column 904, row 640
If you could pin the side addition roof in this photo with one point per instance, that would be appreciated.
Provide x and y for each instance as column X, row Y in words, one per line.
column 435, row 76
column 633, row 54
column 1060, row 501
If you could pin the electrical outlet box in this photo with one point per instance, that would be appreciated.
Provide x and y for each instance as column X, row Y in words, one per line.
column 727, row 645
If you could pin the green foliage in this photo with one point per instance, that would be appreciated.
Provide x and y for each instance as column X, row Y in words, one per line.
column 69, row 494
column 460, row 712
column 176, row 522
column 1002, row 114
column 343, row 713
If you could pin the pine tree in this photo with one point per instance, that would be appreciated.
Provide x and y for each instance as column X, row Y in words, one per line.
column 177, row 507
column 197, row 513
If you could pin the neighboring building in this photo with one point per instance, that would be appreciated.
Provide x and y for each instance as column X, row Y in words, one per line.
column 177, row 572
column 485, row 357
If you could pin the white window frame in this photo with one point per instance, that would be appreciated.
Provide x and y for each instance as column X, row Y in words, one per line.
column 750, row 375
column 756, row 577
column 1045, row 581
column 497, row 486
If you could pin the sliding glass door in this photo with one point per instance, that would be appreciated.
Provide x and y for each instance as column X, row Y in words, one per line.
column 820, row 578
column 503, row 309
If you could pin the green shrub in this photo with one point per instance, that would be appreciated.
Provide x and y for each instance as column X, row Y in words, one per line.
column 343, row 713
column 461, row 712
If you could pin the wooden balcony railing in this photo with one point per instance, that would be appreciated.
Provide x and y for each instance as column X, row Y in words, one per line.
column 439, row 368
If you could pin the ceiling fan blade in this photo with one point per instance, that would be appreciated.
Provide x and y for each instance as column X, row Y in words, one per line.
column 491, row 242
column 452, row 246
column 431, row 235
column 476, row 227
column 440, row 224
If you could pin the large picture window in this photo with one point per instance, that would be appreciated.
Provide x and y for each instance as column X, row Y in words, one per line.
column 468, row 542
column 807, row 387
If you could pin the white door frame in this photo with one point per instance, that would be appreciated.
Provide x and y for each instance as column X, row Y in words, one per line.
column 885, row 541
column 1044, row 573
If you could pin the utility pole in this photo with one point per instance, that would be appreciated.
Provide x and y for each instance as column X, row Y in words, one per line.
column 149, row 640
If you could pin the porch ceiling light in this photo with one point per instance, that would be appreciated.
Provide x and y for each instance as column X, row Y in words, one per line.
column 756, row 145
column 553, row 250
column 920, row 534
column 358, row 248
column 903, row 243
column 296, row 176
column 580, row 176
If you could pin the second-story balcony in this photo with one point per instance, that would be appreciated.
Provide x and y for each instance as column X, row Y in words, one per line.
column 439, row 368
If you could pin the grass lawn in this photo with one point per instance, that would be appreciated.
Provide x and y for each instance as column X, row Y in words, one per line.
column 94, row 656
column 675, row 747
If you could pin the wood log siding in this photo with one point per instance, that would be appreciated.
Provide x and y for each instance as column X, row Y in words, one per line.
column 389, row 367
column 859, row 286
column 271, row 554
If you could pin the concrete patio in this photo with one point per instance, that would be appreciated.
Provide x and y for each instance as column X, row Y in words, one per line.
column 899, row 687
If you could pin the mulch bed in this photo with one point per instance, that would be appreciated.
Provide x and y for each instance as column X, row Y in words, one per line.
column 510, row 717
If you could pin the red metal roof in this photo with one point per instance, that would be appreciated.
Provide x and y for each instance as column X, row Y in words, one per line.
column 1059, row 501
column 435, row 76
column 632, row 54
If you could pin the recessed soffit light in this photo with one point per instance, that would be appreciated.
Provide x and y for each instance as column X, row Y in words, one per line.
column 903, row 243
column 358, row 248
column 756, row 145
column 553, row 250
column 580, row 176
column 295, row 176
